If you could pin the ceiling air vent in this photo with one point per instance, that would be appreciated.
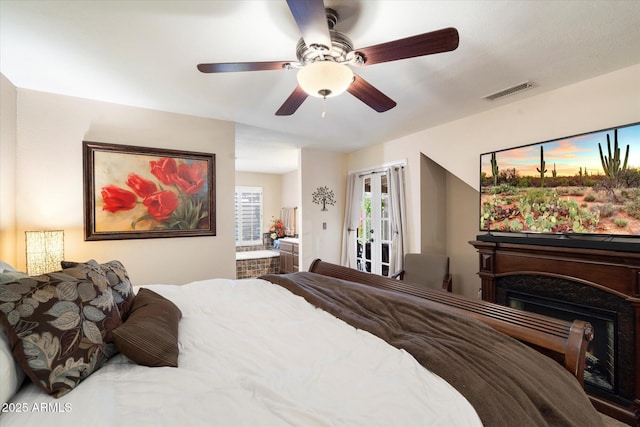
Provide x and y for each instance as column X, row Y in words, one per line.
column 509, row 91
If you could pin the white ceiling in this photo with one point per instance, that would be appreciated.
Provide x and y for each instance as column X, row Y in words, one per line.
column 144, row 53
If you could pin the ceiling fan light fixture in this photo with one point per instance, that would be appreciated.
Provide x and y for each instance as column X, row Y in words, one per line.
column 324, row 79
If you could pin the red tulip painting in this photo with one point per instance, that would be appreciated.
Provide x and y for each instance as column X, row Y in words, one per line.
column 136, row 192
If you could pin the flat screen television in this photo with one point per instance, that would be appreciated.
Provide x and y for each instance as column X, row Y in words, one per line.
column 580, row 186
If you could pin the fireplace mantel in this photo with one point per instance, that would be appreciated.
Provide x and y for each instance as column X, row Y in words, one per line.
column 615, row 272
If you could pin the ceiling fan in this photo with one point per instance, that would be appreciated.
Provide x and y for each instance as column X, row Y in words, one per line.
column 325, row 56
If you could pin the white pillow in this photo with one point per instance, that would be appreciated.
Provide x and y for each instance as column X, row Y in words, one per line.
column 5, row 267
column 11, row 374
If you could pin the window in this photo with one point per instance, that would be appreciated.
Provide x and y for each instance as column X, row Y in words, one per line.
column 248, row 207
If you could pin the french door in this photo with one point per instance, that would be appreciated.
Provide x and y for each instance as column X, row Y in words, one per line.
column 373, row 239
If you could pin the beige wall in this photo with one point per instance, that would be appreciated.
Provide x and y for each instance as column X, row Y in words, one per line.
column 279, row 191
column 461, row 227
column 290, row 189
column 609, row 100
column 605, row 101
column 433, row 192
column 318, row 169
column 8, row 143
column 271, row 193
column 49, row 190
column 48, row 162
column 291, row 194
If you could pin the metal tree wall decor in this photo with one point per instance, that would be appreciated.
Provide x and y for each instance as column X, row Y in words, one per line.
column 323, row 196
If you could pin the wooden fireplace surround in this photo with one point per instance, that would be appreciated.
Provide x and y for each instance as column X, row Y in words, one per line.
column 616, row 272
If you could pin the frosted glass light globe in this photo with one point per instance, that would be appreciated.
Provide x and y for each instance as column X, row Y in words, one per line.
column 324, row 79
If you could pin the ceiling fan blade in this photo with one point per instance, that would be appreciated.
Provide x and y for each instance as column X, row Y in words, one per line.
column 438, row 41
column 312, row 22
column 292, row 103
column 371, row 96
column 229, row 67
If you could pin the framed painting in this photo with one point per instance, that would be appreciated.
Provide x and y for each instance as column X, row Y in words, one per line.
column 140, row 192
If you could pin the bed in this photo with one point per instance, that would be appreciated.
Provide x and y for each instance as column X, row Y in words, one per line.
column 327, row 347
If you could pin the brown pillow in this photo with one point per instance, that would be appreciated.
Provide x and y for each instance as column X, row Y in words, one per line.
column 59, row 327
column 150, row 334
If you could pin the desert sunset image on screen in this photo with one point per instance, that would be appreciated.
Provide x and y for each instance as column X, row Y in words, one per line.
column 582, row 184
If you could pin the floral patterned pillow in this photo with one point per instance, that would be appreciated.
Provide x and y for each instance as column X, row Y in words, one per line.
column 116, row 276
column 59, row 326
column 120, row 286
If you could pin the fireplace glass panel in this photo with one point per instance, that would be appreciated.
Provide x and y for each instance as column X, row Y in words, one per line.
column 600, row 369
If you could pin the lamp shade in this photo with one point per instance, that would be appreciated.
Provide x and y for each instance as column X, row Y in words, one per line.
column 324, row 79
column 45, row 251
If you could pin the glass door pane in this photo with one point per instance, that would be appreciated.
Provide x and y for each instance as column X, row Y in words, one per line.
column 363, row 254
column 374, row 230
column 385, row 226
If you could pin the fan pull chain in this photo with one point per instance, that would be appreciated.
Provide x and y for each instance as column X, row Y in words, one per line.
column 324, row 107
column 324, row 93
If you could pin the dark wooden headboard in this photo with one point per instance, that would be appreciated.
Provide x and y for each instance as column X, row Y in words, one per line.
column 566, row 342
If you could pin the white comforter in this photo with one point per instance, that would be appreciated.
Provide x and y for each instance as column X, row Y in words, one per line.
column 253, row 354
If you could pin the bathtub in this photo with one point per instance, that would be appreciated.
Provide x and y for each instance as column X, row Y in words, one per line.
column 256, row 263
column 260, row 254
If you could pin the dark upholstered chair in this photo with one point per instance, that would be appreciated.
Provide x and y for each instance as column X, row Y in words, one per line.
column 430, row 270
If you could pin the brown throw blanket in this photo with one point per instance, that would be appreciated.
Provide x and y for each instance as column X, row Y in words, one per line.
column 506, row 382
